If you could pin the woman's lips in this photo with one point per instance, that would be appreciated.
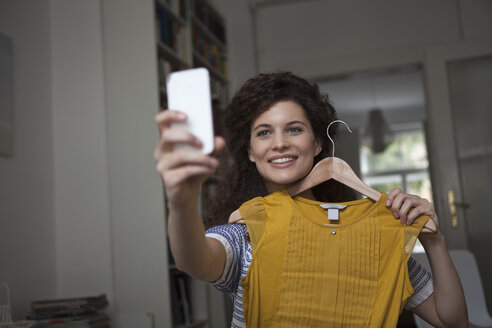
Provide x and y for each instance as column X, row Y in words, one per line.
column 283, row 162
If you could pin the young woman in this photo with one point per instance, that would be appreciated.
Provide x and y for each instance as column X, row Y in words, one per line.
column 275, row 129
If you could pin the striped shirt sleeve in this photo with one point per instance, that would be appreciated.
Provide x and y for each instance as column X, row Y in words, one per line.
column 421, row 281
column 234, row 238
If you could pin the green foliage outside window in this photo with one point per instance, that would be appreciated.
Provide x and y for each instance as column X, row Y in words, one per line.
column 385, row 187
column 406, row 150
column 403, row 164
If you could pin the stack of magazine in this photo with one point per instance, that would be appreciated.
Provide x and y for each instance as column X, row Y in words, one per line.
column 82, row 312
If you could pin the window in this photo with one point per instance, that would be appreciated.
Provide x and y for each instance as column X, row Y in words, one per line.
column 402, row 164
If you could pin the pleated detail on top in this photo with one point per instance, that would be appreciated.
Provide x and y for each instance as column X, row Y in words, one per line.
column 308, row 271
column 330, row 275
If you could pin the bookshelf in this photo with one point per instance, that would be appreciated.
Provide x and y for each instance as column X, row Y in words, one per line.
column 191, row 33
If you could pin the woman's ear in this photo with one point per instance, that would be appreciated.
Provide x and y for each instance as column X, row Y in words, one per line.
column 250, row 155
column 318, row 148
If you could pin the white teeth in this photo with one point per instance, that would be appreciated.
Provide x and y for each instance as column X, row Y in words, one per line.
column 282, row 160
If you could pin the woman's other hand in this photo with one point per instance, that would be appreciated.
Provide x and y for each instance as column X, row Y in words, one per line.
column 236, row 218
column 184, row 171
column 408, row 207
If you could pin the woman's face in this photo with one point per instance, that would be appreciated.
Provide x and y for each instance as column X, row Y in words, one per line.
column 283, row 145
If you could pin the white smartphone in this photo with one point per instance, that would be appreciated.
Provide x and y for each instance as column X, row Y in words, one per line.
column 188, row 91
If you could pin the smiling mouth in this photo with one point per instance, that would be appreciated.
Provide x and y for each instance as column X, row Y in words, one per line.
column 282, row 160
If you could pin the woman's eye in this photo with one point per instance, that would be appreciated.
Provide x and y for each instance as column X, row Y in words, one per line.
column 263, row 133
column 294, row 130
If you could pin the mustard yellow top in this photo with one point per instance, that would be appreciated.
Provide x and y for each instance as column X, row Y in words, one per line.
column 308, row 271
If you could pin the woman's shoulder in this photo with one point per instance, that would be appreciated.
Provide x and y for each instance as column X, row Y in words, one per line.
column 252, row 207
column 257, row 205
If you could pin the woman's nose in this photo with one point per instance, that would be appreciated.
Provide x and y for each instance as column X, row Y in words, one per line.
column 279, row 141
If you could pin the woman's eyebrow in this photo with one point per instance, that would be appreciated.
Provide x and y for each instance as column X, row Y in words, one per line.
column 297, row 122
column 263, row 125
column 267, row 126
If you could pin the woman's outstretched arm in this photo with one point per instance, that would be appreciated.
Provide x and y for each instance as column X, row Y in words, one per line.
column 184, row 173
column 446, row 307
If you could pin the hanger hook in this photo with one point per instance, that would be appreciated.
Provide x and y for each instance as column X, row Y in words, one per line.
column 328, row 133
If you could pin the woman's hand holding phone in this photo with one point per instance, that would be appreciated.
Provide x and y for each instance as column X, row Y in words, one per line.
column 183, row 171
column 185, row 152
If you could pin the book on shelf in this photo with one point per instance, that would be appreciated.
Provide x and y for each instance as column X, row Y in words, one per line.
column 96, row 302
column 185, row 45
column 173, row 38
column 208, row 50
column 169, row 31
column 209, row 18
column 165, row 68
column 70, row 312
column 95, row 321
column 183, row 9
column 163, row 31
column 177, row 8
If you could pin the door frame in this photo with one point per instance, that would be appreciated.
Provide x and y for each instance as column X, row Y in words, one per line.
column 443, row 157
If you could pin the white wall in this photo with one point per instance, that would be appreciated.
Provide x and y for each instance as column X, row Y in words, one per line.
column 136, row 194
column 85, row 77
column 319, row 38
column 54, row 209
column 27, row 215
column 322, row 38
column 82, row 212
column 320, row 30
column 476, row 19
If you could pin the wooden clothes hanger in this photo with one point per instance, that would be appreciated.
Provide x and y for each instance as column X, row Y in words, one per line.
column 337, row 169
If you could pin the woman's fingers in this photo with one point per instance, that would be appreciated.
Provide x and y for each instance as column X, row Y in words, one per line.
column 167, row 159
column 219, row 144
column 172, row 137
column 168, row 136
column 177, row 176
column 177, row 159
column 425, row 208
column 177, row 168
column 395, row 200
column 235, row 217
column 391, row 196
column 165, row 118
column 407, row 207
column 182, row 169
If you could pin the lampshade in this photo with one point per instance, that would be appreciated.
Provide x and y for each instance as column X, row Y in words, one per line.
column 378, row 130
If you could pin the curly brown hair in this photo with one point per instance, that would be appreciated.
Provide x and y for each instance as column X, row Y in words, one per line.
column 242, row 181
